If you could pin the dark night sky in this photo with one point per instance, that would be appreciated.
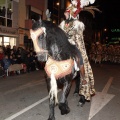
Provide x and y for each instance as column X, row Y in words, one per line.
column 110, row 12
column 110, row 15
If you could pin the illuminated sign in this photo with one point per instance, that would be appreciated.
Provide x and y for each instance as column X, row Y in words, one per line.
column 8, row 30
column 115, row 30
column 116, row 38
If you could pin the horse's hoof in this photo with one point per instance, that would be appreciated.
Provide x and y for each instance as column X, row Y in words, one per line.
column 64, row 109
column 80, row 104
column 81, row 101
column 51, row 118
column 75, row 94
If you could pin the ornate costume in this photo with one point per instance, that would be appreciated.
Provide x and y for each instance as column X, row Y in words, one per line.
column 74, row 29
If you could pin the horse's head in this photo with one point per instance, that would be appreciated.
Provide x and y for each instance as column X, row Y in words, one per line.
column 55, row 39
column 38, row 34
column 43, row 31
column 36, row 24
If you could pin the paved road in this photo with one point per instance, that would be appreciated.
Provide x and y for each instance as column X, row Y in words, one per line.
column 25, row 97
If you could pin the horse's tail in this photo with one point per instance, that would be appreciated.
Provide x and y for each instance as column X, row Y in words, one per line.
column 53, row 90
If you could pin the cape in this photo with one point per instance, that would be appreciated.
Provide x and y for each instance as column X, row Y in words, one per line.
column 74, row 29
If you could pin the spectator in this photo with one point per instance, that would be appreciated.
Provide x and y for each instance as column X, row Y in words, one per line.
column 23, row 53
column 3, row 11
column 19, row 59
column 2, row 72
column 27, row 62
column 32, row 61
column 9, row 12
column 14, row 50
column 6, row 62
column 0, row 11
column 12, row 61
column 1, row 54
column 8, row 50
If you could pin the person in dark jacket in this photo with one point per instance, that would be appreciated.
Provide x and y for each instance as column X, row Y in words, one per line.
column 6, row 62
column 19, row 59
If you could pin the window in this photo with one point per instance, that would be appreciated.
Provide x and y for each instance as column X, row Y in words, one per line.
column 35, row 16
column 7, row 41
column 6, row 13
column 0, row 41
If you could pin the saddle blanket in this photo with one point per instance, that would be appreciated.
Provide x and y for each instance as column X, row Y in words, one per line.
column 58, row 68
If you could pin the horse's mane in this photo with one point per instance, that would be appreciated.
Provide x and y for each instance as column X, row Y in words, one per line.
column 55, row 35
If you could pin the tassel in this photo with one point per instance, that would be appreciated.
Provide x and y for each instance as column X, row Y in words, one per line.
column 53, row 90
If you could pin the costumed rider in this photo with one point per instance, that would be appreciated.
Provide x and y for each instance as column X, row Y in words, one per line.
column 74, row 29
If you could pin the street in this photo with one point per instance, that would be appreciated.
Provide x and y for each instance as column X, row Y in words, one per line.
column 25, row 97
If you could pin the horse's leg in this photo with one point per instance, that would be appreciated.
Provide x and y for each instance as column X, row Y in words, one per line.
column 51, row 102
column 52, row 112
column 63, row 104
column 77, row 83
column 82, row 100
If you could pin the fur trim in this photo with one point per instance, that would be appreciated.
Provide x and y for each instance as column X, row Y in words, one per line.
column 62, row 25
column 79, row 25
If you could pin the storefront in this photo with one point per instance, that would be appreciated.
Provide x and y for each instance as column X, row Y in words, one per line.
column 8, row 36
column 24, row 38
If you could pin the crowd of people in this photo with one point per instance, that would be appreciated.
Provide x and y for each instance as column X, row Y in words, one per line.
column 100, row 53
column 18, row 55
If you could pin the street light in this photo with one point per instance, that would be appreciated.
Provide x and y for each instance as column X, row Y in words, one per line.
column 58, row 4
column 105, row 30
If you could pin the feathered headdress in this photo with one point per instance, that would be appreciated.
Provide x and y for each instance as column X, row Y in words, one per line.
column 77, row 6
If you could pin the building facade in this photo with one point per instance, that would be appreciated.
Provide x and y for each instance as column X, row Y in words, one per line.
column 16, row 20
column 8, row 28
column 57, row 9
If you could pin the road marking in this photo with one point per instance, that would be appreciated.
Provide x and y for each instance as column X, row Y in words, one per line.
column 30, row 84
column 28, row 108
column 100, row 99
